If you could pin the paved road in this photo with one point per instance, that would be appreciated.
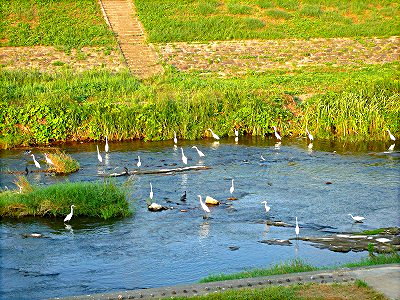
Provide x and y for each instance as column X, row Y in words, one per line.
column 383, row 278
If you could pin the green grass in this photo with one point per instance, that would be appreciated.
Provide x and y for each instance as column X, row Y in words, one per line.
column 171, row 21
column 40, row 108
column 296, row 266
column 102, row 200
column 63, row 163
column 356, row 290
column 373, row 231
column 64, row 23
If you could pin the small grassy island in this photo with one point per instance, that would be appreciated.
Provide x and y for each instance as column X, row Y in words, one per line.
column 102, row 200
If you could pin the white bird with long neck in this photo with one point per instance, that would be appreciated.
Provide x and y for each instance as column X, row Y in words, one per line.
column 358, row 219
column 203, row 206
column 310, row 136
column 48, row 160
column 267, row 208
column 391, row 135
column 232, row 187
column 297, row 229
column 184, row 158
column 151, row 191
column 213, row 134
column 201, row 154
column 69, row 216
column 36, row 162
column 277, row 135
column 175, row 138
column 139, row 163
column 106, row 147
column 98, row 154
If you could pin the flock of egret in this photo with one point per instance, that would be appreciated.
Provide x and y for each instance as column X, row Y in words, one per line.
column 201, row 154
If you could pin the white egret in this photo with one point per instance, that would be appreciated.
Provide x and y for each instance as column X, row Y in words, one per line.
column 151, row 191
column 213, row 134
column 277, row 135
column 297, row 229
column 267, row 208
column 48, row 160
column 69, row 216
column 358, row 219
column 310, row 136
column 262, row 158
column 139, row 163
column 106, row 147
column 36, row 162
column 184, row 158
column 175, row 138
column 203, row 206
column 98, row 154
column 232, row 187
column 201, row 154
column 391, row 135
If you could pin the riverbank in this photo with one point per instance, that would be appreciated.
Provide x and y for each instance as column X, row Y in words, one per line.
column 40, row 108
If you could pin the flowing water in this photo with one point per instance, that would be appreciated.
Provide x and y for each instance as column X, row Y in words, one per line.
column 152, row 249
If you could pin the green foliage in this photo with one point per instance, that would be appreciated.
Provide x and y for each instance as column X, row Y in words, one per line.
column 39, row 108
column 293, row 266
column 360, row 283
column 102, row 200
column 63, row 163
column 169, row 20
column 63, row 23
column 373, row 231
column 380, row 259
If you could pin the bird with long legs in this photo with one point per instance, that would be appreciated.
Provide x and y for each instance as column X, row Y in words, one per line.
column 391, row 136
column 184, row 158
column 277, row 135
column 48, row 160
column 357, row 219
column 201, row 154
column 204, row 207
column 297, row 229
column 267, row 208
column 139, row 163
column 216, row 137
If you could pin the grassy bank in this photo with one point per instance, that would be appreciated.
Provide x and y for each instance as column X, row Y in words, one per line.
column 38, row 108
column 102, row 200
column 63, row 23
column 296, row 266
column 199, row 20
column 357, row 290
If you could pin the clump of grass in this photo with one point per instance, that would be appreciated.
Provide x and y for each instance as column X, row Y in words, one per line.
column 293, row 266
column 311, row 11
column 63, row 163
column 279, row 14
column 207, row 7
column 239, row 9
column 102, row 200
column 373, row 231
column 380, row 259
column 265, row 3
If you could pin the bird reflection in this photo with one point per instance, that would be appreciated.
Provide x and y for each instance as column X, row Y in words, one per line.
column 266, row 230
column 69, row 228
column 215, row 145
column 184, row 180
column 278, row 145
column 107, row 159
column 391, row 148
column 204, row 230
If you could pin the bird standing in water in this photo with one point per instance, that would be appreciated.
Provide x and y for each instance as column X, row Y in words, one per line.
column 69, row 216
column 297, row 229
column 277, row 135
column 36, row 162
column 106, row 147
column 98, row 154
column 213, row 134
column 232, row 187
column 184, row 158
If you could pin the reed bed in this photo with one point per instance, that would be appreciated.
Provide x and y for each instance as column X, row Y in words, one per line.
column 101, row 200
column 39, row 108
column 63, row 163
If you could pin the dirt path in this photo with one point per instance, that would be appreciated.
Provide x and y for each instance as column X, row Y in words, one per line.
column 140, row 57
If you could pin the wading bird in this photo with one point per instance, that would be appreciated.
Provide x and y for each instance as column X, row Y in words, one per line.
column 277, row 135
column 175, row 139
column 184, row 158
column 201, row 154
column 106, row 147
column 232, row 187
column 48, row 160
column 213, row 134
column 203, row 206
column 297, row 229
column 151, row 191
column 310, row 136
column 69, row 216
column 98, row 154
column 267, row 208
column 35, row 161
column 358, row 219
column 139, row 163
column 391, row 135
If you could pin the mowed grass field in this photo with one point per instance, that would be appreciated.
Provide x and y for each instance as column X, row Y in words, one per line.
column 63, row 23
column 207, row 20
